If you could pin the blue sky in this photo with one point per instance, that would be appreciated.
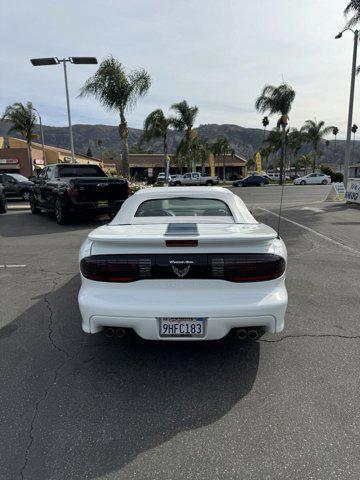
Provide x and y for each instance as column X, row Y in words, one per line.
column 216, row 54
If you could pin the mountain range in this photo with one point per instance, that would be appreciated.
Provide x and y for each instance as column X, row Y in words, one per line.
column 245, row 141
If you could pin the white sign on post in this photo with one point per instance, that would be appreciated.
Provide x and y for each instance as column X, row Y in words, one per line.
column 353, row 192
column 337, row 193
column 150, row 172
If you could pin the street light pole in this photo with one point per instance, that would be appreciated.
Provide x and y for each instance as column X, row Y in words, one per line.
column 42, row 136
column 37, row 62
column 63, row 61
column 351, row 104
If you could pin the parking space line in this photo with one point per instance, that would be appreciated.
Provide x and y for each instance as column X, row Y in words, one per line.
column 12, row 266
column 314, row 232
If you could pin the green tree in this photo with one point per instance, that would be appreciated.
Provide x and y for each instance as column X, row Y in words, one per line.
column 314, row 133
column 156, row 125
column 184, row 121
column 277, row 101
column 118, row 90
column 22, row 119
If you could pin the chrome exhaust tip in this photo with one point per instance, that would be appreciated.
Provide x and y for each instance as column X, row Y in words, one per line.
column 242, row 334
column 109, row 332
column 120, row 332
column 253, row 334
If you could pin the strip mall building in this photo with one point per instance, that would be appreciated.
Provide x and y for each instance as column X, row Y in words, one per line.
column 15, row 159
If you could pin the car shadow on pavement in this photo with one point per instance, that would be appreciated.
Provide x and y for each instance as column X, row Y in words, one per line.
column 27, row 224
column 87, row 405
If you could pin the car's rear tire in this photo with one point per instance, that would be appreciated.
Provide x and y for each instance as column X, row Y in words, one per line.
column 261, row 184
column 302, row 182
column 3, row 205
column 177, row 184
column 60, row 212
column 324, row 182
column 209, row 183
column 25, row 195
column 33, row 205
column 239, row 185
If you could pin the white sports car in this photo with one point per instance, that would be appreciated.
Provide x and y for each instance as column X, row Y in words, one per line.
column 183, row 263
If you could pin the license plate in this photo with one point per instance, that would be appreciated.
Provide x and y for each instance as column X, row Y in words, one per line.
column 182, row 327
column 102, row 203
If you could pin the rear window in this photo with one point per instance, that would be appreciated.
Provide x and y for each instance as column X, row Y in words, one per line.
column 183, row 207
column 80, row 171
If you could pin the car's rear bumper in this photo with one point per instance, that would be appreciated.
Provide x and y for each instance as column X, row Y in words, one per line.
column 225, row 305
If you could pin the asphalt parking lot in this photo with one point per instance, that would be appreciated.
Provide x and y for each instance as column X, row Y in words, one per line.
column 75, row 406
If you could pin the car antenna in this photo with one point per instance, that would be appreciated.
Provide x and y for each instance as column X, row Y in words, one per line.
column 282, row 178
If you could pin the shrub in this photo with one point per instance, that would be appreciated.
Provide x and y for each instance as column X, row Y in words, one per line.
column 335, row 176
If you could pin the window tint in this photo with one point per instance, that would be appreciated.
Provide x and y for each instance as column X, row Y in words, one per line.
column 18, row 177
column 80, row 171
column 183, row 207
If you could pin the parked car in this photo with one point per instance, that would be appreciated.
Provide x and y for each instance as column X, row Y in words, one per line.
column 3, row 203
column 193, row 179
column 200, row 245
column 67, row 189
column 161, row 177
column 313, row 179
column 252, row 181
column 276, row 176
column 16, row 185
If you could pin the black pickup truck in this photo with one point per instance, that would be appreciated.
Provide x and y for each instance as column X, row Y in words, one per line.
column 68, row 189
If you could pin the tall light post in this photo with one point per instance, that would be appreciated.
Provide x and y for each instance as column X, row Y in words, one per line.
column 39, row 62
column 42, row 135
column 351, row 103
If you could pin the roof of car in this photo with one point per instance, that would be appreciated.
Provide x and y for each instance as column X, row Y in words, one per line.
column 239, row 211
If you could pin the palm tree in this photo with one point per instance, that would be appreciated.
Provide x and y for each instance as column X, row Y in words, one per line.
column 22, row 119
column 277, row 100
column 314, row 133
column 185, row 120
column 296, row 138
column 353, row 7
column 304, row 161
column 265, row 122
column 200, row 151
column 118, row 91
column 156, row 125
column 221, row 148
column 265, row 153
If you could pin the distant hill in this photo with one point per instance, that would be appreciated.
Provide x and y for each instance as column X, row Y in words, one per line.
column 245, row 141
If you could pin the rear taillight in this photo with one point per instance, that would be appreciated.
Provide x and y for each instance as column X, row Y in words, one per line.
column 181, row 243
column 251, row 267
column 116, row 268
column 241, row 267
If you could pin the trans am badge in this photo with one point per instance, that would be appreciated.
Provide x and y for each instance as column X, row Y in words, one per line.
column 182, row 271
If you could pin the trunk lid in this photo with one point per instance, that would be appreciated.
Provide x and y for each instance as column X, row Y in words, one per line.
column 211, row 237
